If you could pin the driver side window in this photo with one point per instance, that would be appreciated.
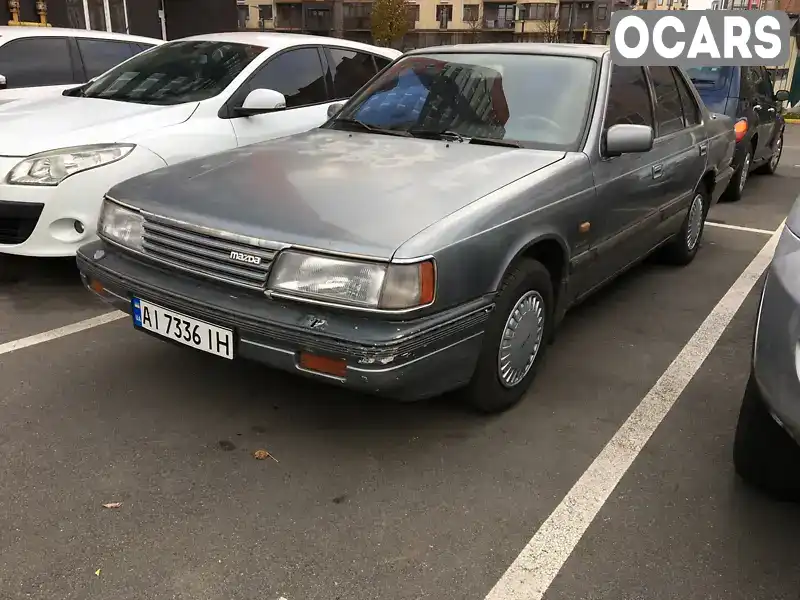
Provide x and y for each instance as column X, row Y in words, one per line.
column 628, row 98
column 297, row 74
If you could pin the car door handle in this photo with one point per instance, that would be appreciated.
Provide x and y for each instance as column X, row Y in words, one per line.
column 658, row 170
column 703, row 149
column 756, row 107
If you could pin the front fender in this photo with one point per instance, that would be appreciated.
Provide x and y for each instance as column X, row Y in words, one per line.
column 475, row 246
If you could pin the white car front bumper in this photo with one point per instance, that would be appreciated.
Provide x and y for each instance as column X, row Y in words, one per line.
column 52, row 221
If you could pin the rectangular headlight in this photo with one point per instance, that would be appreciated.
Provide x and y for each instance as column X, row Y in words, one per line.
column 121, row 225
column 351, row 282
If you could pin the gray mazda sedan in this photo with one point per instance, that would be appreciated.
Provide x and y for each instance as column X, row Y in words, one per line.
column 432, row 234
column 766, row 451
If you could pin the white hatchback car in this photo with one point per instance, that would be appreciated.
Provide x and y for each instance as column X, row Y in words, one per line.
column 180, row 100
column 40, row 61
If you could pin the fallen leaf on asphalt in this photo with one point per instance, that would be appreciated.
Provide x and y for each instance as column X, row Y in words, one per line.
column 112, row 504
column 97, row 572
column 263, row 454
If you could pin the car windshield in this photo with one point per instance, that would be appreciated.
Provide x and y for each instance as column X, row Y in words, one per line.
column 532, row 100
column 174, row 73
column 712, row 78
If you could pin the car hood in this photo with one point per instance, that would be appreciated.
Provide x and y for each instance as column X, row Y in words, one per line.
column 31, row 126
column 358, row 193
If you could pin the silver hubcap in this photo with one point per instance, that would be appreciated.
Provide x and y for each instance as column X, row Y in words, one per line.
column 773, row 163
column 744, row 173
column 695, row 222
column 521, row 339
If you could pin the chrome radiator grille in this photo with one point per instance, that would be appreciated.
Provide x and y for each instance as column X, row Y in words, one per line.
column 207, row 254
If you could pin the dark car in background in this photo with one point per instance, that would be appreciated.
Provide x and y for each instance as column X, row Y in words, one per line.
column 746, row 95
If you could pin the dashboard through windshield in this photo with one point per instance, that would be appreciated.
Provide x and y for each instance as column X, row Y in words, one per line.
column 174, row 73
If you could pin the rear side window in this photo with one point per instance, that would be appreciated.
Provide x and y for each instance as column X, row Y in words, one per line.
column 36, row 62
column 382, row 62
column 628, row 98
column 691, row 112
column 717, row 79
column 297, row 74
column 765, row 85
column 669, row 112
column 350, row 71
column 101, row 55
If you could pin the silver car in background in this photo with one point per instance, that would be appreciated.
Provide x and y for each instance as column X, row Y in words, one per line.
column 766, row 450
column 433, row 233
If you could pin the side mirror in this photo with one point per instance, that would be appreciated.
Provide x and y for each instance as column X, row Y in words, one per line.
column 782, row 95
column 334, row 109
column 624, row 139
column 261, row 101
column 3, row 82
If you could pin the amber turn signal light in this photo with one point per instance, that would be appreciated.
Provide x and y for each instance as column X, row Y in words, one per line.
column 741, row 129
column 323, row 364
column 97, row 287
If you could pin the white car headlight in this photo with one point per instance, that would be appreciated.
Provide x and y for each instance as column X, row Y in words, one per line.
column 54, row 166
column 354, row 283
column 121, row 225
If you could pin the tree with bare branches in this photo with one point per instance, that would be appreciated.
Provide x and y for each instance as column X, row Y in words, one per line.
column 473, row 19
column 389, row 21
column 550, row 27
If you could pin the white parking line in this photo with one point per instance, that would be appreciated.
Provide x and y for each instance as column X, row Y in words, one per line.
column 60, row 332
column 531, row 574
column 739, row 228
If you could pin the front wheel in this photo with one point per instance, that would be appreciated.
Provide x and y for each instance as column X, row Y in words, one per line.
column 683, row 248
column 515, row 339
column 772, row 166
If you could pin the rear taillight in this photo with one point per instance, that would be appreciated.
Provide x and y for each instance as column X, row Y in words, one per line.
column 741, row 129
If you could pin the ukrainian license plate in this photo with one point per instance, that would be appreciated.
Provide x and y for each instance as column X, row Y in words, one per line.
column 184, row 329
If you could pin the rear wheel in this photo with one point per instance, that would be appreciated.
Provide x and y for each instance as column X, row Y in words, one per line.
column 735, row 189
column 683, row 248
column 772, row 166
column 515, row 339
column 764, row 455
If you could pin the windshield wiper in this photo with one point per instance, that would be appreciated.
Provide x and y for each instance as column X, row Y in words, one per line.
column 369, row 128
column 494, row 142
column 434, row 134
column 454, row 136
column 701, row 81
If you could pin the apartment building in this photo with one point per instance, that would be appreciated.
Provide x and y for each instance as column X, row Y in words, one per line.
column 165, row 19
column 438, row 22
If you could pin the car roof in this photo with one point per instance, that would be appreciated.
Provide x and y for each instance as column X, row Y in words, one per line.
column 579, row 50
column 285, row 40
column 18, row 31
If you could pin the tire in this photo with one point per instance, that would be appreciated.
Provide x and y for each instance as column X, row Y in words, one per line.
column 527, row 285
column 735, row 189
column 770, row 167
column 683, row 248
column 764, row 455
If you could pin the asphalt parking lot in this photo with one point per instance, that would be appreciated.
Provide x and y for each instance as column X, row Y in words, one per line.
column 370, row 499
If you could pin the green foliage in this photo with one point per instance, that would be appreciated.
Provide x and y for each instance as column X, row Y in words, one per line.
column 390, row 21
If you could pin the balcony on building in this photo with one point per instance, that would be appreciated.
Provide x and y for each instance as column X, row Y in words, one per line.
column 357, row 16
column 575, row 22
column 499, row 15
column 288, row 16
column 537, row 21
column 308, row 17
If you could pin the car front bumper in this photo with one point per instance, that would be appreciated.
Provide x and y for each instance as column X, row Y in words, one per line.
column 406, row 360
column 53, row 221
column 776, row 350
